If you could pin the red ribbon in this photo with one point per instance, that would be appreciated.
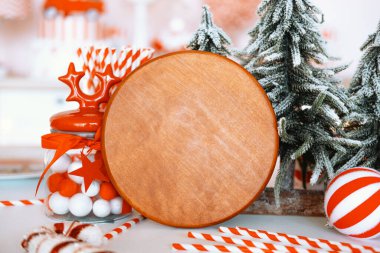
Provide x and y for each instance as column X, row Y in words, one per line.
column 64, row 142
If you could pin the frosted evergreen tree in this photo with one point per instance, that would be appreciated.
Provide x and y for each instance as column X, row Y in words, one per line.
column 285, row 55
column 210, row 37
column 365, row 93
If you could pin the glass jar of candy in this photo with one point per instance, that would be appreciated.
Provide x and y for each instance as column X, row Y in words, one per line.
column 75, row 176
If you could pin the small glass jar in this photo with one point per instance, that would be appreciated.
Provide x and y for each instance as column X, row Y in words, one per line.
column 76, row 180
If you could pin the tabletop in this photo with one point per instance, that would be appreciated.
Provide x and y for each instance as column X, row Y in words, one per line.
column 147, row 236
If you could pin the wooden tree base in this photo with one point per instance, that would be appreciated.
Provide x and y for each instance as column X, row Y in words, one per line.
column 293, row 202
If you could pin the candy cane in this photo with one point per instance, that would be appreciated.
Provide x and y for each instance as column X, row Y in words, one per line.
column 255, row 244
column 23, row 202
column 218, row 248
column 87, row 57
column 298, row 240
column 124, row 227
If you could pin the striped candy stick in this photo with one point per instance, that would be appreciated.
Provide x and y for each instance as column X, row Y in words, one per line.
column 91, row 60
column 104, row 59
column 81, row 55
column 218, row 248
column 86, row 53
column 122, row 228
column 322, row 243
column 131, row 58
column 125, row 55
column 136, row 59
column 255, row 244
column 22, row 202
column 147, row 55
column 297, row 240
column 115, row 62
column 132, row 62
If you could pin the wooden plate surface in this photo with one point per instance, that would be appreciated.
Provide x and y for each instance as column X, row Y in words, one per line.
column 190, row 139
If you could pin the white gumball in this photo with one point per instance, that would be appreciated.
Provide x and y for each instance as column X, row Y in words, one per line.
column 58, row 203
column 92, row 190
column 80, row 205
column 116, row 205
column 61, row 165
column 101, row 208
column 75, row 166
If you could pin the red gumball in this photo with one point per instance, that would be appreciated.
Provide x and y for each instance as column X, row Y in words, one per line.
column 54, row 181
column 126, row 208
column 68, row 188
column 107, row 191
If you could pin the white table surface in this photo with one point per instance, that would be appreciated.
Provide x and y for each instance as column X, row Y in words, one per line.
column 147, row 236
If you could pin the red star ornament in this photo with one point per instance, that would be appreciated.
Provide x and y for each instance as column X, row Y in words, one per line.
column 90, row 171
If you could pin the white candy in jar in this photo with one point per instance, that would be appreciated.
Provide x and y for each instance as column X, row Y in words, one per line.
column 58, row 203
column 75, row 166
column 116, row 205
column 61, row 165
column 80, row 205
column 101, row 208
column 92, row 190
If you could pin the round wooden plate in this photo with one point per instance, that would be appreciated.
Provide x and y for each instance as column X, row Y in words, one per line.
column 190, row 139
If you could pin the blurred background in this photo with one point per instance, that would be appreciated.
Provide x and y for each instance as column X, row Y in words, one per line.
column 38, row 38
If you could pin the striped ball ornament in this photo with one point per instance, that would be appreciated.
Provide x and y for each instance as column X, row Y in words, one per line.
column 352, row 202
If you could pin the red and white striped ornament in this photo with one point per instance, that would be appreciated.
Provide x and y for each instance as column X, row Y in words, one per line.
column 352, row 202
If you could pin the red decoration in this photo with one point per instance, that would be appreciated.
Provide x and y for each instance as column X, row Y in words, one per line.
column 54, row 181
column 89, row 102
column 352, row 201
column 107, row 191
column 71, row 6
column 68, row 188
column 90, row 171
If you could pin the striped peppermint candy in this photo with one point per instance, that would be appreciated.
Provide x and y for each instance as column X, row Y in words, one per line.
column 352, row 202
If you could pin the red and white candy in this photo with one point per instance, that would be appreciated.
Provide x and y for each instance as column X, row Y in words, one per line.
column 352, row 202
column 65, row 238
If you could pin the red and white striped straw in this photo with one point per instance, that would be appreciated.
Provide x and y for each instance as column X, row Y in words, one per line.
column 298, row 240
column 22, row 202
column 313, row 241
column 255, row 244
column 218, row 248
column 124, row 227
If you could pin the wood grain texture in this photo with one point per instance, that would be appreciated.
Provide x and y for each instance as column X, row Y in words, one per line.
column 293, row 202
column 190, row 139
